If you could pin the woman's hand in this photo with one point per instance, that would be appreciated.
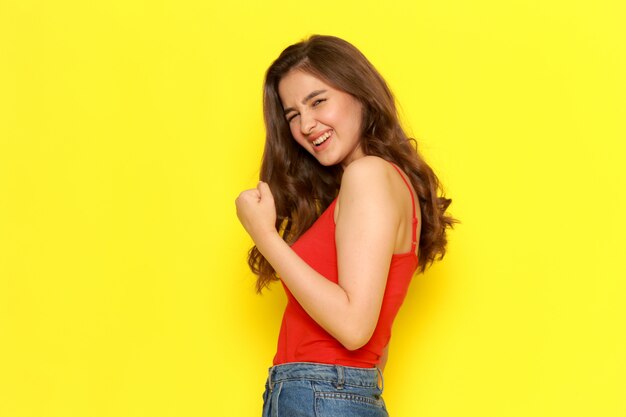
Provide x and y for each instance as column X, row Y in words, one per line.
column 257, row 212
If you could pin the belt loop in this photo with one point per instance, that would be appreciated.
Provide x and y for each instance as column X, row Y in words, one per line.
column 340, row 377
column 269, row 379
column 382, row 380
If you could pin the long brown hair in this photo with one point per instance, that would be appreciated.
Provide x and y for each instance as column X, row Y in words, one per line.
column 302, row 187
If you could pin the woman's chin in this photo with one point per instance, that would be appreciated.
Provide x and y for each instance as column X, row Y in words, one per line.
column 326, row 162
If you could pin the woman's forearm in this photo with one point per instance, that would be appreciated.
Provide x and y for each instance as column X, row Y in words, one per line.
column 326, row 302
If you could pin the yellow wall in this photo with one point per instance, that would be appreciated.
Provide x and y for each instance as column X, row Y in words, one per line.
column 127, row 129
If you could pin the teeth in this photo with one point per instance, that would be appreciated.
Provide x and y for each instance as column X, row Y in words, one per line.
column 321, row 139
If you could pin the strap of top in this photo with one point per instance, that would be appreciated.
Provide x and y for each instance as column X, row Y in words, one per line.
column 414, row 240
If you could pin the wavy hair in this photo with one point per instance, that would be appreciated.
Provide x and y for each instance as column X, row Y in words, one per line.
column 302, row 187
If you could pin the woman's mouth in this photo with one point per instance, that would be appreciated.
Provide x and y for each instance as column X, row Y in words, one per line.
column 318, row 142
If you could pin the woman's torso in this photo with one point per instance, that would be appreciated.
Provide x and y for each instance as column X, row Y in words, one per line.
column 301, row 339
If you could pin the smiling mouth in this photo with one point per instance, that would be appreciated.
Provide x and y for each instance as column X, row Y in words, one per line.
column 322, row 139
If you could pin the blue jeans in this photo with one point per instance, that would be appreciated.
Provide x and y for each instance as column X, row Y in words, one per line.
column 306, row 389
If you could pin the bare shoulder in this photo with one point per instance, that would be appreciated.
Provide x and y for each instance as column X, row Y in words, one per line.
column 367, row 171
column 366, row 180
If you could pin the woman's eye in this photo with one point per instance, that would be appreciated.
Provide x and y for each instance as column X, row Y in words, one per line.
column 289, row 119
column 316, row 102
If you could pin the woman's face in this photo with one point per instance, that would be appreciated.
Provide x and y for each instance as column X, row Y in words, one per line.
column 323, row 120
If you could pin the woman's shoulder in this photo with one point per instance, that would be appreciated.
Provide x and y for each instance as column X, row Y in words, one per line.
column 367, row 178
column 371, row 161
column 376, row 181
column 369, row 190
column 366, row 169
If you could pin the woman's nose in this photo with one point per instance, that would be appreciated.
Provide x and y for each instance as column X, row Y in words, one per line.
column 307, row 123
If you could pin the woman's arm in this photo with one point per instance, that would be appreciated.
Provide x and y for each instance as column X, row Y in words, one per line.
column 365, row 235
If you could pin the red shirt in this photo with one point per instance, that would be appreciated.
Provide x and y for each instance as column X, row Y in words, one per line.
column 301, row 339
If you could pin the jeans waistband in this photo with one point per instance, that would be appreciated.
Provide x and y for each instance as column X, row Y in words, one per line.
column 341, row 375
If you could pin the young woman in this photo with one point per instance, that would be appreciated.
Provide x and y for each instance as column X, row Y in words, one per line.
column 345, row 208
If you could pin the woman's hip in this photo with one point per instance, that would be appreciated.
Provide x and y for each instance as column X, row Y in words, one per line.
column 303, row 389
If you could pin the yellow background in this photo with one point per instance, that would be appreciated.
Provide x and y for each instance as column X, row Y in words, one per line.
column 128, row 128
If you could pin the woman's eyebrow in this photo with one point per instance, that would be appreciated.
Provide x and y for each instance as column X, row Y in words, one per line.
column 307, row 98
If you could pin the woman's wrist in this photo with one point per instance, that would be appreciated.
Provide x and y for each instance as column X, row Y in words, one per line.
column 265, row 241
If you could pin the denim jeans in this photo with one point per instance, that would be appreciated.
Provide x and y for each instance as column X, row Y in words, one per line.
column 306, row 389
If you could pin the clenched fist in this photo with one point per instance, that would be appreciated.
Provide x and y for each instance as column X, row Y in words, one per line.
column 257, row 212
